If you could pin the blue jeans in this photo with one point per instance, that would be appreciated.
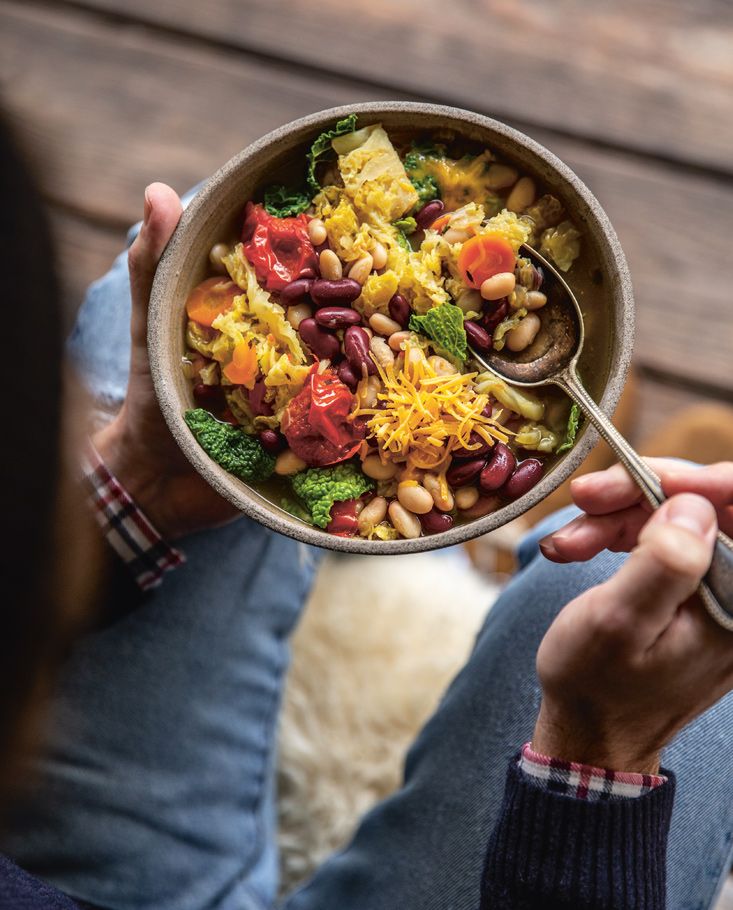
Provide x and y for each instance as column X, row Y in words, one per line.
column 155, row 789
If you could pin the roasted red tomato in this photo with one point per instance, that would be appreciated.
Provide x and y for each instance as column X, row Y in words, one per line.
column 211, row 298
column 315, row 422
column 278, row 248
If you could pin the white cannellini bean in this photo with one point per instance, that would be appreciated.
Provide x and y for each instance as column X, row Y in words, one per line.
column 317, row 232
column 366, row 391
column 371, row 515
column 216, row 254
column 297, row 313
column 383, row 325
column 442, row 496
column 524, row 334
column 501, row 176
column 466, row 497
column 498, row 286
column 379, row 256
column 397, row 339
column 383, row 354
column 522, row 196
column 330, row 265
column 288, row 462
column 441, row 366
column 453, row 235
column 405, row 523
column 535, row 300
column 374, row 467
column 360, row 270
column 415, row 497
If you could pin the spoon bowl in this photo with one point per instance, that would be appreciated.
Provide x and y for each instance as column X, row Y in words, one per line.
column 559, row 342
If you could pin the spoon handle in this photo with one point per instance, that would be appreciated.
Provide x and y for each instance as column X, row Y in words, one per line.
column 716, row 589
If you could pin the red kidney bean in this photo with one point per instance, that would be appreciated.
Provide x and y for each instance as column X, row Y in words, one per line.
column 462, row 472
column 493, row 317
column 433, row 522
column 498, row 468
column 347, row 375
column 208, row 394
column 356, row 348
column 321, row 342
column 308, row 272
column 332, row 292
column 296, row 290
column 482, row 506
column 482, row 451
column 399, row 310
column 272, row 441
column 477, row 336
column 428, row 213
column 488, row 409
column 526, row 475
column 344, row 518
column 256, row 396
column 337, row 317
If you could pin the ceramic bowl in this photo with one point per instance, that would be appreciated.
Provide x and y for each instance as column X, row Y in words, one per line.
column 600, row 277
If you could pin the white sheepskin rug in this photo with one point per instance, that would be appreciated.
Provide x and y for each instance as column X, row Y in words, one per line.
column 380, row 640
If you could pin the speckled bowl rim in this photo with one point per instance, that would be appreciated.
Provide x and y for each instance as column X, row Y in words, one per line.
column 256, row 506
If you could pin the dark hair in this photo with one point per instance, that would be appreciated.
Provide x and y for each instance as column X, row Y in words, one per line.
column 30, row 614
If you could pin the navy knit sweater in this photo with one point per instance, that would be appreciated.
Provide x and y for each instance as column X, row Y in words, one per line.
column 547, row 850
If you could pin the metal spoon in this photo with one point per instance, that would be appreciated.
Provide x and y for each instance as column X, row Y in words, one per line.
column 552, row 358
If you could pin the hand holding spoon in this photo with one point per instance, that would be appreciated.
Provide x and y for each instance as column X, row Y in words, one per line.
column 552, row 359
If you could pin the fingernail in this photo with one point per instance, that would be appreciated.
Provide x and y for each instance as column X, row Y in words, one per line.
column 547, row 548
column 569, row 530
column 692, row 513
column 147, row 206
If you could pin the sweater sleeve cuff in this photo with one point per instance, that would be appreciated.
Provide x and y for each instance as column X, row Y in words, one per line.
column 550, row 849
column 125, row 527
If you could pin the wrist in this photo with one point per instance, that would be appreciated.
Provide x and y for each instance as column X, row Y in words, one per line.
column 117, row 449
column 571, row 737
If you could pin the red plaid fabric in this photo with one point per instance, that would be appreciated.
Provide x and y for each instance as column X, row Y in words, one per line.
column 125, row 527
column 585, row 781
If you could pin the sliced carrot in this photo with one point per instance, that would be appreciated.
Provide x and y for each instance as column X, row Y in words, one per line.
column 483, row 256
column 440, row 224
column 210, row 299
column 242, row 369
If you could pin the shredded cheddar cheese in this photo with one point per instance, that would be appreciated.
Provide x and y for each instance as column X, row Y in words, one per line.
column 424, row 417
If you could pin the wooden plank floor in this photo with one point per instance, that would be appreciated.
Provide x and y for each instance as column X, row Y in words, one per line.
column 111, row 94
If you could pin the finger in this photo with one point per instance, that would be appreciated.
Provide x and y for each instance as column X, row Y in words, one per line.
column 162, row 211
column 607, row 491
column 586, row 536
column 674, row 552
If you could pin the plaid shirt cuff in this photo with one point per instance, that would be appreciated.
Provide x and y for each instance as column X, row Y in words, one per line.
column 585, row 781
column 125, row 527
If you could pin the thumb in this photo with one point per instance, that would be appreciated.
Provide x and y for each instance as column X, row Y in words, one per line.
column 161, row 214
column 674, row 552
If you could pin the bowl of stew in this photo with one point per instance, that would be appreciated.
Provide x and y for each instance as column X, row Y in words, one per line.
column 312, row 319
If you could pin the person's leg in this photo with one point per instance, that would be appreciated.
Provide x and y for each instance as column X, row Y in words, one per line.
column 155, row 789
column 423, row 848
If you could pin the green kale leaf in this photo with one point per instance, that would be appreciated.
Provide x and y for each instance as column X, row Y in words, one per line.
column 427, row 189
column 406, row 225
column 572, row 430
column 230, row 447
column 320, row 488
column 444, row 324
column 296, row 508
column 285, row 202
column 322, row 146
